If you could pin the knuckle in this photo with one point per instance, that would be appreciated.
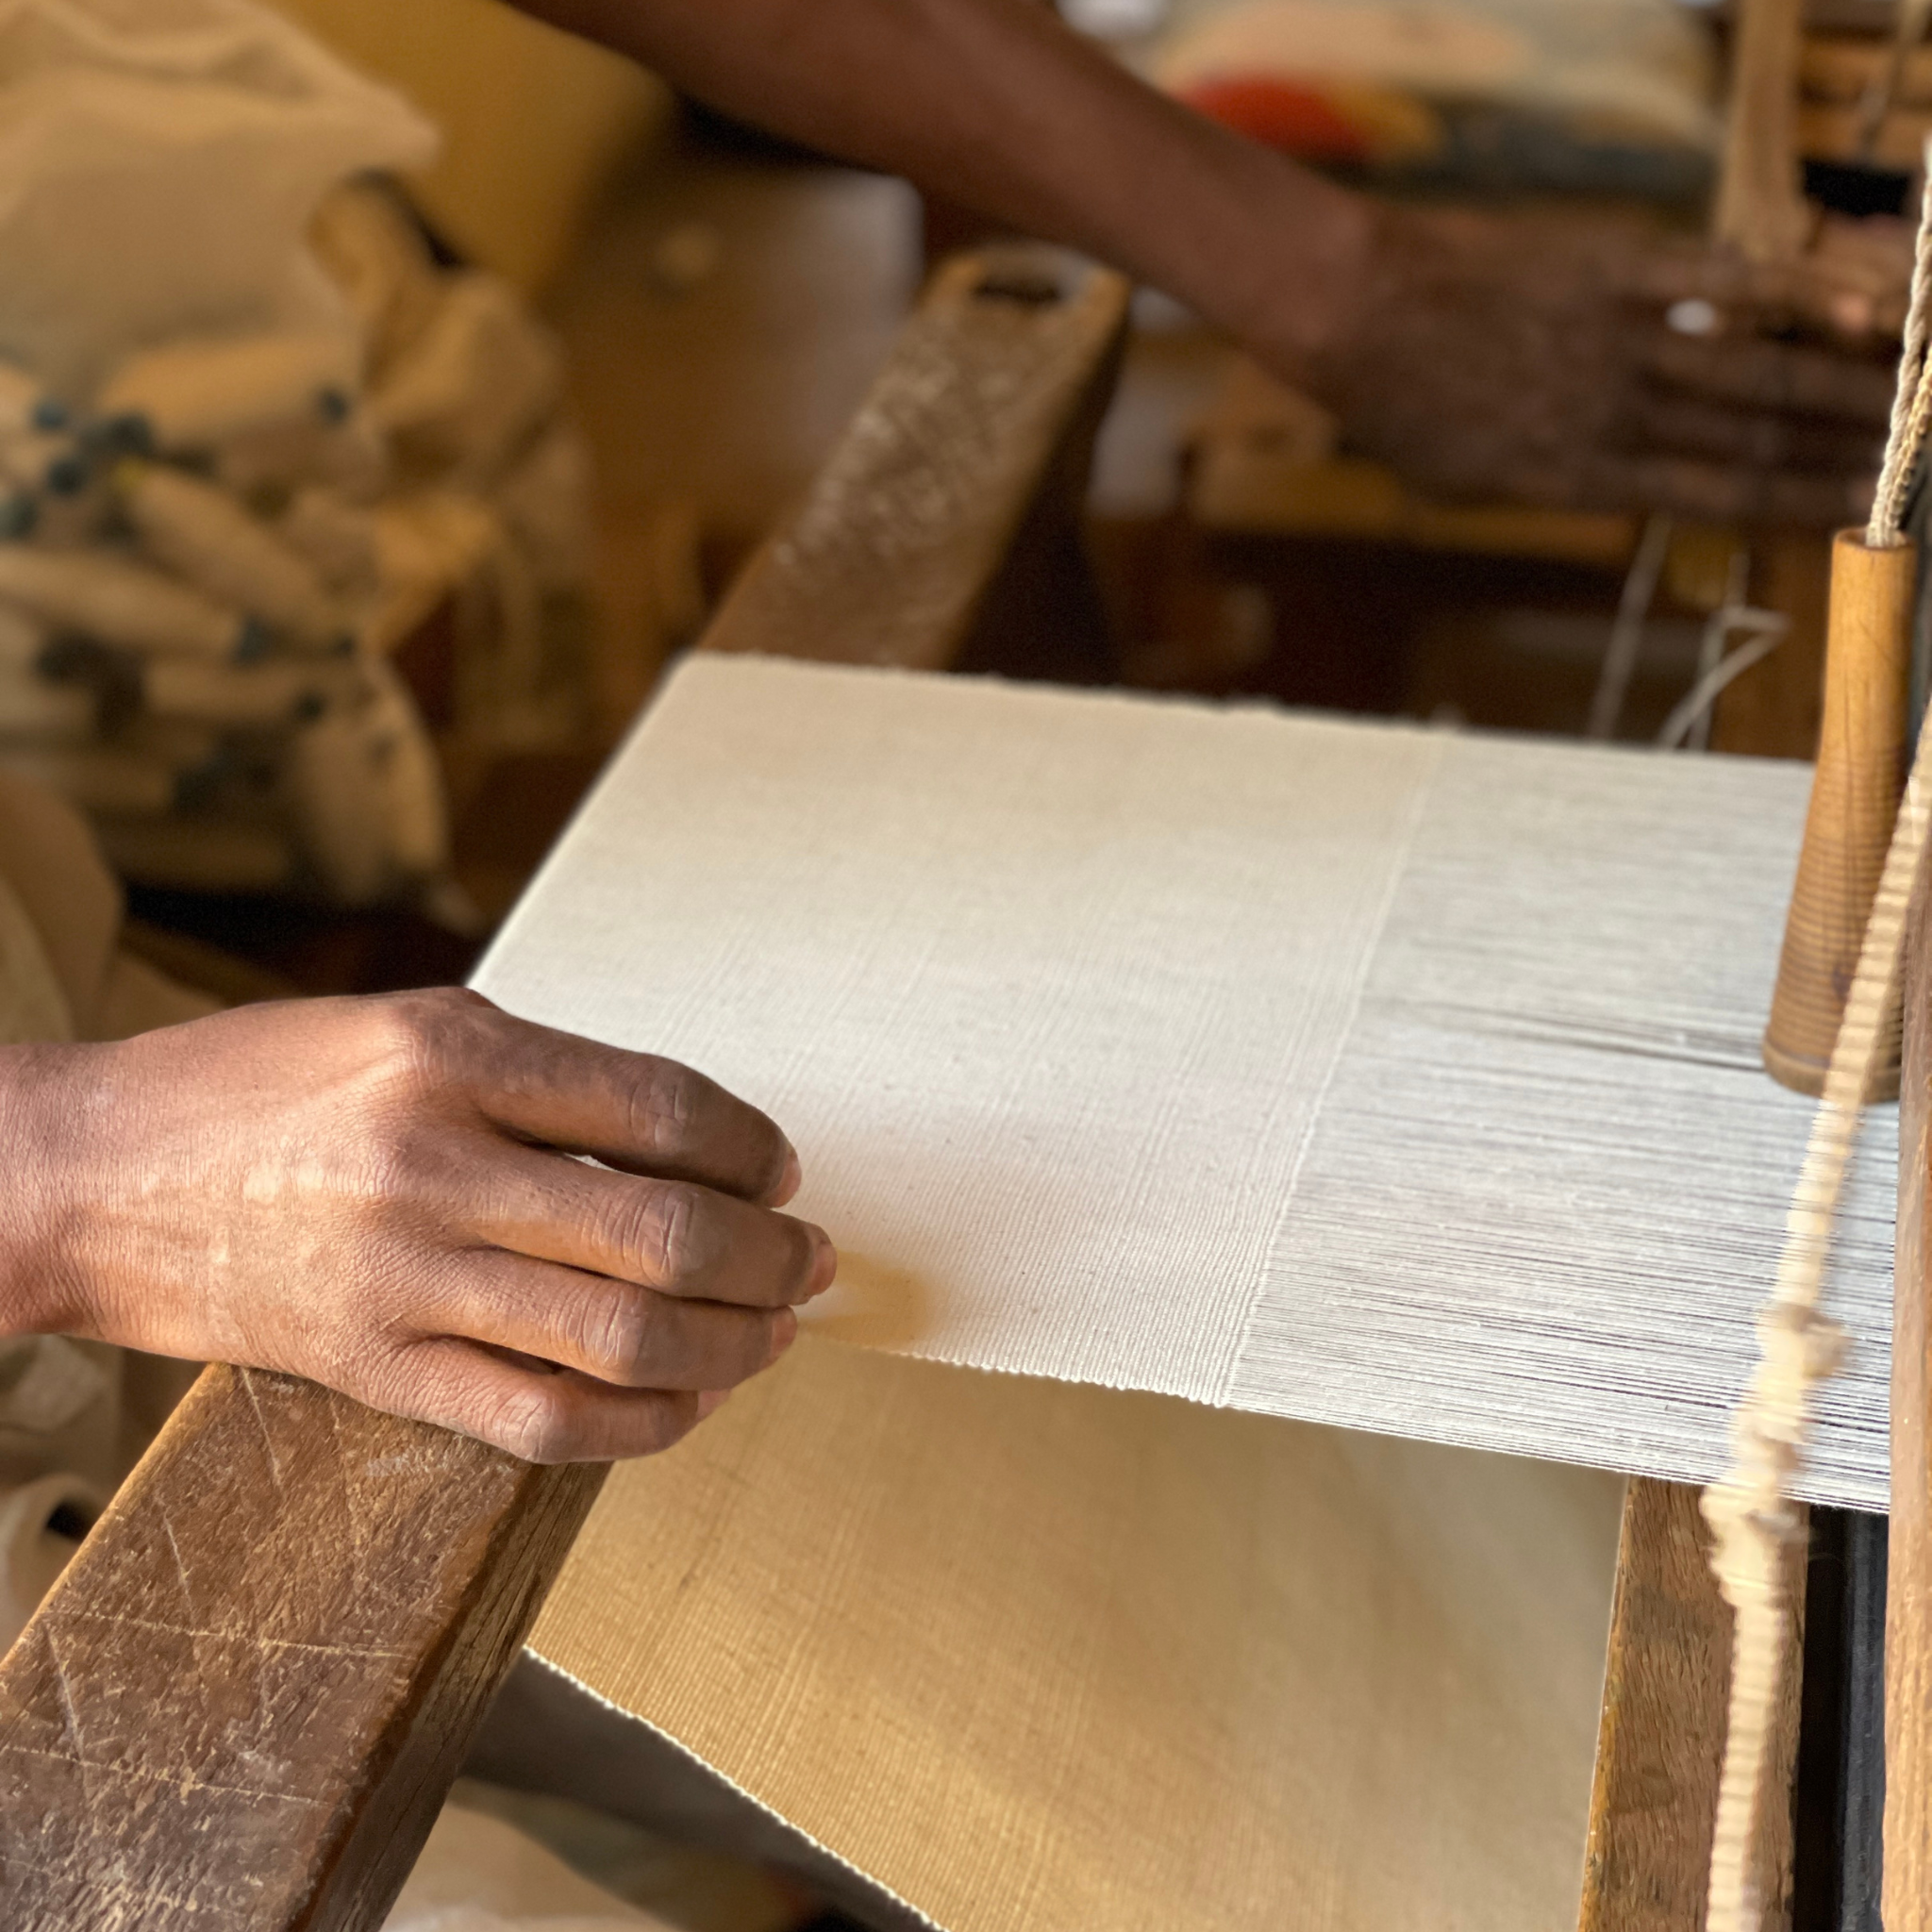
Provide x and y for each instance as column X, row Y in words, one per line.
column 614, row 1334
column 528, row 1420
column 660, row 1227
column 404, row 1037
column 420, row 1031
column 662, row 1101
column 664, row 1421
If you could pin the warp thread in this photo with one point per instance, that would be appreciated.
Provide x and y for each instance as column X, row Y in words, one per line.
column 1750, row 1511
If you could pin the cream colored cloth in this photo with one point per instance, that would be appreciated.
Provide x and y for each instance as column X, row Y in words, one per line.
column 1352, row 1071
column 1031, row 1655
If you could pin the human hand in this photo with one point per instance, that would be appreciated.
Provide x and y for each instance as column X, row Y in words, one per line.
column 376, row 1193
column 1532, row 360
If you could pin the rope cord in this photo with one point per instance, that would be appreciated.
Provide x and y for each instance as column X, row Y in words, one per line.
column 1750, row 1511
column 1911, row 407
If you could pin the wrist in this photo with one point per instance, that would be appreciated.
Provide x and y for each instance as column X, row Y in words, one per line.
column 42, row 1114
column 1299, row 279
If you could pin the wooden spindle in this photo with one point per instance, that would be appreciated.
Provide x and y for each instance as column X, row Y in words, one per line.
column 1854, row 797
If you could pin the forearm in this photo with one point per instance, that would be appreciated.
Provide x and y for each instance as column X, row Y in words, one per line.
column 42, row 1105
column 998, row 105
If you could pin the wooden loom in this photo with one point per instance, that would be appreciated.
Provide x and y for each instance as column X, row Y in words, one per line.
column 347, row 1634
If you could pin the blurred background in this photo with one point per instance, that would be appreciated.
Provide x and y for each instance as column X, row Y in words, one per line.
column 602, row 337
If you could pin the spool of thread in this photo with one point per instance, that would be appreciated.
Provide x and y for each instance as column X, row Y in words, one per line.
column 1854, row 798
column 119, row 603
column 45, row 463
column 195, row 395
column 208, row 539
column 34, row 712
column 259, row 696
column 25, row 405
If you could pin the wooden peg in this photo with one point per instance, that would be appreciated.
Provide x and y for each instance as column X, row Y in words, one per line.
column 1760, row 203
column 1854, row 798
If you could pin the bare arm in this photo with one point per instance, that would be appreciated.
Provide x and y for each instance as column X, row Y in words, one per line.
column 379, row 1195
column 997, row 105
column 1482, row 355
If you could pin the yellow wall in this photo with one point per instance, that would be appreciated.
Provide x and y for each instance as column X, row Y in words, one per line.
column 532, row 119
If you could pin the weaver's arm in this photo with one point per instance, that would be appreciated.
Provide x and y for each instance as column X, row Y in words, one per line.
column 1483, row 356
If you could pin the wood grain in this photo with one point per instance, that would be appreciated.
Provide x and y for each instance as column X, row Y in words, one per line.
column 1760, row 210
column 1662, row 1738
column 244, row 1702
column 1907, row 1868
column 902, row 534
column 1854, row 796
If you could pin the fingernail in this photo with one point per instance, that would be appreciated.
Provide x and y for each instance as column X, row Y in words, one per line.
column 710, row 1400
column 784, row 1333
column 825, row 1264
column 790, row 1180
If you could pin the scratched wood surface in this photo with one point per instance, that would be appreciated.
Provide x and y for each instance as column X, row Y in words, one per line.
column 1907, row 1865
column 992, row 393
column 1660, row 1743
column 242, row 1706
column 244, row 1702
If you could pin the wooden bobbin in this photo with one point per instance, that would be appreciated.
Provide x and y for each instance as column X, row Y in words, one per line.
column 1854, row 798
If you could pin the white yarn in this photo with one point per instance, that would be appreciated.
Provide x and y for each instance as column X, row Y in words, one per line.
column 1750, row 1511
column 1397, row 1079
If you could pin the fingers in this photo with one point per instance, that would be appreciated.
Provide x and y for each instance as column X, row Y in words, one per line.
column 632, row 1110
column 1689, row 425
column 1848, row 290
column 539, row 1416
column 671, row 1235
column 1717, row 493
column 1775, row 375
column 612, row 1331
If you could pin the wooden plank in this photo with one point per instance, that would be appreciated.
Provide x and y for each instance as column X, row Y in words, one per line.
column 1837, row 134
column 244, row 1702
column 900, row 539
column 1837, row 67
column 1760, row 208
column 1241, row 485
column 1661, row 1736
column 1908, row 1866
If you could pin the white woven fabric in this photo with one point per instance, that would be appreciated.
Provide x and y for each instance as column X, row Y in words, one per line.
column 1348, row 1072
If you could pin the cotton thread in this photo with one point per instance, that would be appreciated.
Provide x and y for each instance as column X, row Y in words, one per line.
column 1750, row 1511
